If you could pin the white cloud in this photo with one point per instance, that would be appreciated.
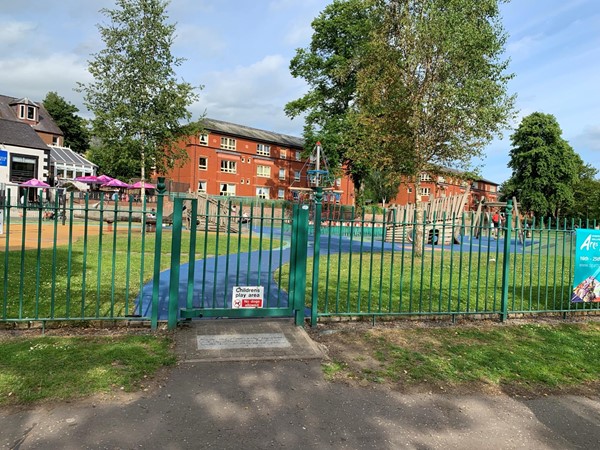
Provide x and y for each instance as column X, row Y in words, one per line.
column 253, row 95
column 34, row 78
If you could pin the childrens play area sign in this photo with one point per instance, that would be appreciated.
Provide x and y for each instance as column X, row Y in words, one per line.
column 247, row 297
column 586, row 286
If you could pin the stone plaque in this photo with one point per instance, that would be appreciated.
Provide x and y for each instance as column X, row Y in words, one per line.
column 233, row 341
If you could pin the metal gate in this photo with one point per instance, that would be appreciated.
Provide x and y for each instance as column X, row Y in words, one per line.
column 226, row 258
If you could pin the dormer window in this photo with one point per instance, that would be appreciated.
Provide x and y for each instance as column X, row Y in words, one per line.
column 26, row 109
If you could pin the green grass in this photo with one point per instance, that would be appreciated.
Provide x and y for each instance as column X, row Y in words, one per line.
column 51, row 283
column 444, row 281
column 523, row 358
column 62, row 368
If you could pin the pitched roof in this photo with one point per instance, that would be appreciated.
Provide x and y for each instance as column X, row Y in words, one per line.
column 45, row 122
column 20, row 134
column 65, row 155
column 242, row 131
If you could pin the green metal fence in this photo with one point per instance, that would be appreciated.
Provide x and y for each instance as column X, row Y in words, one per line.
column 79, row 260
column 444, row 266
column 75, row 259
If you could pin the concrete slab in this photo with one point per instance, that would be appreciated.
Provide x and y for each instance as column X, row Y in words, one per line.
column 244, row 340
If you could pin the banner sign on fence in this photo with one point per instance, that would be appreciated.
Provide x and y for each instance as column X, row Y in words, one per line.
column 247, row 297
column 586, row 286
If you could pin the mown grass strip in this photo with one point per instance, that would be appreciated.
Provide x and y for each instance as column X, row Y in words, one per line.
column 63, row 368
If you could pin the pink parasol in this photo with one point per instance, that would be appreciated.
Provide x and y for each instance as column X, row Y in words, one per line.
column 147, row 185
column 104, row 179
column 88, row 179
column 34, row 182
column 115, row 183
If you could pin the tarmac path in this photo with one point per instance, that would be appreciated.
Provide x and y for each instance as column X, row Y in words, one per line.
column 258, row 400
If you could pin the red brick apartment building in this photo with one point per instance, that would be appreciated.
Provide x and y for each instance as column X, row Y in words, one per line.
column 236, row 160
column 447, row 184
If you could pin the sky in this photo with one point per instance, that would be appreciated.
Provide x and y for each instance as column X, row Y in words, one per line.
column 239, row 51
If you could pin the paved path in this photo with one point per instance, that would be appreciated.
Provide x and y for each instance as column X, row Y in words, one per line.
column 270, row 398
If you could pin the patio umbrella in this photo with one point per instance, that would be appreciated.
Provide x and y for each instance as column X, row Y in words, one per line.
column 104, row 178
column 147, row 185
column 34, row 182
column 88, row 179
column 116, row 183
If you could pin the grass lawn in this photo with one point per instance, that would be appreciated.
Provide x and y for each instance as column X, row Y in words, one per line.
column 101, row 275
column 527, row 359
column 43, row 368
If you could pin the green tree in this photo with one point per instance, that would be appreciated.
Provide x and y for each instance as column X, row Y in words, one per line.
column 432, row 87
column 137, row 101
column 74, row 127
column 545, row 167
column 329, row 66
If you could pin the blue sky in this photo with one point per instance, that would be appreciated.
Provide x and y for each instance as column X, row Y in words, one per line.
column 240, row 51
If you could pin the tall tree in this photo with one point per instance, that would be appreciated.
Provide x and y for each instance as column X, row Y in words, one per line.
column 74, row 127
column 545, row 167
column 432, row 87
column 329, row 66
column 136, row 98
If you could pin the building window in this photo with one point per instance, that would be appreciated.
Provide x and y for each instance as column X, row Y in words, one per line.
column 281, row 193
column 227, row 143
column 263, row 192
column 295, row 195
column 296, row 175
column 243, row 160
column 425, row 177
column 203, row 163
column 338, row 182
column 424, row 191
column 55, row 140
column 247, row 180
column 409, row 190
column 282, row 174
column 27, row 112
column 242, row 181
column 228, row 166
column 202, row 186
column 283, row 154
column 263, row 171
column 263, row 150
column 203, row 139
column 298, row 155
column 227, row 190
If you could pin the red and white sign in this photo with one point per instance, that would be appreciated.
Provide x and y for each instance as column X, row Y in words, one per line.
column 247, row 297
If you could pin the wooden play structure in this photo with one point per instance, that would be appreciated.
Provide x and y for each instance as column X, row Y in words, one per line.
column 439, row 222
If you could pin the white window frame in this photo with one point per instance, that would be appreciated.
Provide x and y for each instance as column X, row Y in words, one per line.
column 203, row 139
column 263, row 192
column 283, row 153
column 425, row 176
column 298, row 155
column 228, row 143
column 263, row 149
column 200, row 184
column 24, row 112
column 205, row 167
column 228, row 166
column 280, row 193
column 263, row 171
column 424, row 191
column 297, row 175
column 227, row 189
column 282, row 174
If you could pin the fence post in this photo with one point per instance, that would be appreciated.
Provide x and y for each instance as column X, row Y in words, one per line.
column 316, row 254
column 161, row 190
column 175, row 263
column 299, row 252
column 506, row 262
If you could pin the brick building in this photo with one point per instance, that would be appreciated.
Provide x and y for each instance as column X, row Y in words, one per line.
column 235, row 160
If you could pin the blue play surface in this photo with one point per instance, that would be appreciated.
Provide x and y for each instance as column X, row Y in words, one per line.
column 220, row 273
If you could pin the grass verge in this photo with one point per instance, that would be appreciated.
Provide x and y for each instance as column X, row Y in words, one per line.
column 515, row 359
column 36, row 369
